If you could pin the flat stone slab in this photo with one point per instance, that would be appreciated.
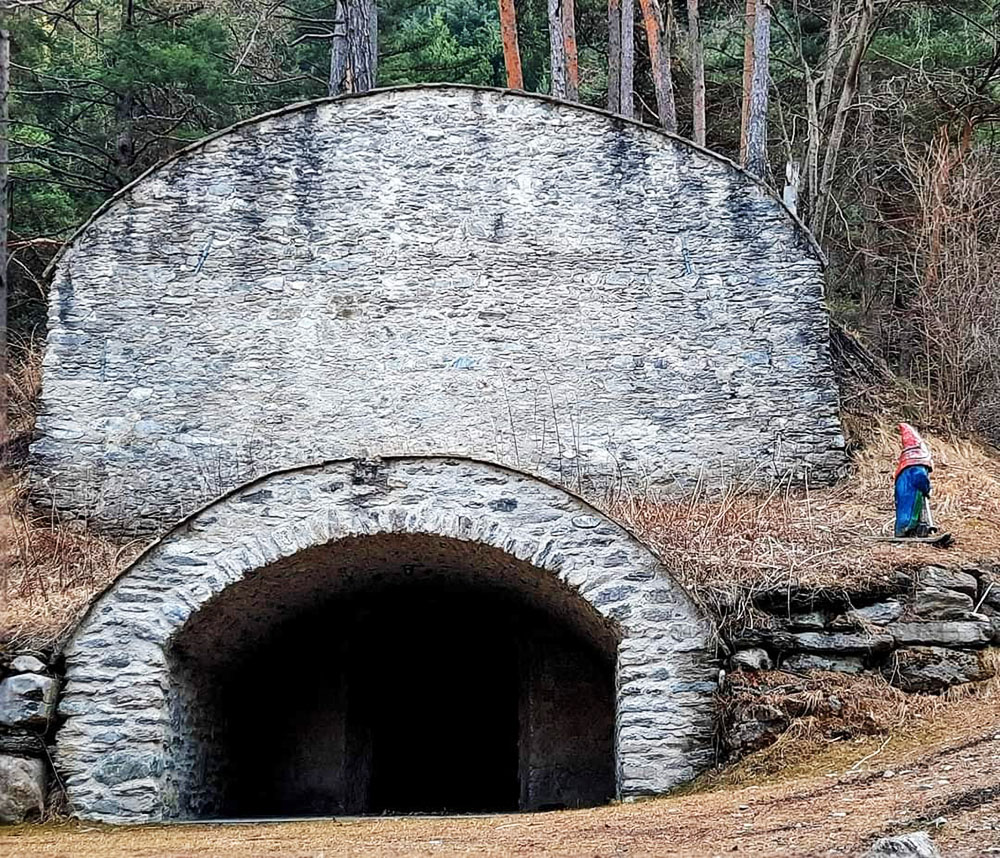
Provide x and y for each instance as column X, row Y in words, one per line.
column 949, row 579
column 943, row 633
column 939, row 603
column 863, row 642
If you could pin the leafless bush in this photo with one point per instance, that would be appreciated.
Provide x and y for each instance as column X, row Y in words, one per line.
column 950, row 326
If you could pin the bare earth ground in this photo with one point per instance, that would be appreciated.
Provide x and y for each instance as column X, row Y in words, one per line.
column 945, row 777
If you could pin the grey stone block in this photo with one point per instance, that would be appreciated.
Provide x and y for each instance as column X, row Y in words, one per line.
column 878, row 614
column 22, row 789
column 937, row 603
column 805, row 662
column 858, row 642
column 27, row 664
column 949, row 579
column 955, row 633
column 28, row 700
column 933, row 668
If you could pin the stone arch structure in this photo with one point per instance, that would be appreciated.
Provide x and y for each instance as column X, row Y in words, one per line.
column 145, row 739
column 432, row 270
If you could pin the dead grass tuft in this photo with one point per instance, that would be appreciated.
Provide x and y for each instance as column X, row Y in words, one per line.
column 49, row 571
column 845, row 723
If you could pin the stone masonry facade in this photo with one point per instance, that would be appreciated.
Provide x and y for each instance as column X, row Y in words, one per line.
column 433, row 270
column 128, row 752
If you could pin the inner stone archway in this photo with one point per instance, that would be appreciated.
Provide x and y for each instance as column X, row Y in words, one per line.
column 250, row 661
column 399, row 673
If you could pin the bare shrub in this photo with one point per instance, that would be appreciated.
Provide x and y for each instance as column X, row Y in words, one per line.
column 949, row 331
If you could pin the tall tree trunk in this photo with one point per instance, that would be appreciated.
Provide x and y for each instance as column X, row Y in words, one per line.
column 338, row 51
column 748, row 38
column 615, row 56
column 759, row 85
column 860, row 34
column 657, row 38
column 621, row 56
column 572, row 62
column 511, row 52
column 557, row 49
column 354, row 52
column 564, row 66
column 4, row 195
column 697, row 72
column 628, row 58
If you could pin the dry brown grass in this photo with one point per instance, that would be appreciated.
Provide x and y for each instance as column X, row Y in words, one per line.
column 740, row 542
column 844, row 721
column 49, row 571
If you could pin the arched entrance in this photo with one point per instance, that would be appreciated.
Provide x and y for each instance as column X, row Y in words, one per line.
column 411, row 634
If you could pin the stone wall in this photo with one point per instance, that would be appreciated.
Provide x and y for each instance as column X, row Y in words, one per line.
column 929, row 630
column 29, row 689
column 437, row 270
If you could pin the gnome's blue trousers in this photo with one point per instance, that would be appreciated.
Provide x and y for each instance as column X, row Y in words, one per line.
column 913, row 488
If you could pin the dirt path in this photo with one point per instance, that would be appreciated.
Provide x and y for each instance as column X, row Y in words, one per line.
column 950, row 785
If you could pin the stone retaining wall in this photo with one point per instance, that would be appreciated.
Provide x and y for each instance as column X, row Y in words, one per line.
column 927, row 631
column 29, row 691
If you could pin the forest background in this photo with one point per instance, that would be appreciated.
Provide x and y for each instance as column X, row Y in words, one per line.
column 879, row 120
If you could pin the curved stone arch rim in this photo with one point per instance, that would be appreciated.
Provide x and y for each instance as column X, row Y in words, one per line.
column 302, row 106
column 67, row 636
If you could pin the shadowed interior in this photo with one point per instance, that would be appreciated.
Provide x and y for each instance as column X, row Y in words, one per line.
column 393, row 674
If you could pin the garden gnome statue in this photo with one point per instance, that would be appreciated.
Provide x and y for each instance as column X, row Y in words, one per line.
column 913, row 486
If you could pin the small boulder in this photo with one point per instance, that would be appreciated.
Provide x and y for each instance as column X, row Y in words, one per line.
column 949, row 579
column 27, row 700
column 27, row 664
column 751, row 659
column 943, row 633
column 805, row 662
column 22, row 789
column 934, row 668
column 937, row 603
column 917, row 844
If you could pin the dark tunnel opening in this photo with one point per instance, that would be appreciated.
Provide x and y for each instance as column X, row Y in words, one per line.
column 394, row 675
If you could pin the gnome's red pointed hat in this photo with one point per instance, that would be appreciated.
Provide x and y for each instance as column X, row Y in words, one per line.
column 915, row 450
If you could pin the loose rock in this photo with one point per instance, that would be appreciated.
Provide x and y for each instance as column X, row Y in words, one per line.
column 22, row 789
column 752, row 659
column 917, row 844
column 933, row 668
